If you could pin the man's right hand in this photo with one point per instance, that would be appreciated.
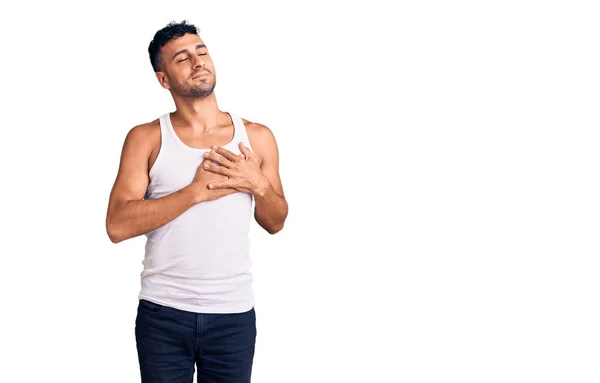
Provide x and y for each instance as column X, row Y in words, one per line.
column 201, row 180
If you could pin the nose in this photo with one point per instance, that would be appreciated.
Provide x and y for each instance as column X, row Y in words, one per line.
column 199, row 63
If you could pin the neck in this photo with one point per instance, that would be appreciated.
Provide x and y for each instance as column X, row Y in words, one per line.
column 201, row 114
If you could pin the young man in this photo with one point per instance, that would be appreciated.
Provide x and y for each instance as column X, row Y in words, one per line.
column 187, row 181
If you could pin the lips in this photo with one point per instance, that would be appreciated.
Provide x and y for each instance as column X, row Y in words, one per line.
column 201, row 74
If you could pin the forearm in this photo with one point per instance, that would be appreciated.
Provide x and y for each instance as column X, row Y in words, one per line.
column 271, row 210
column 134, row 218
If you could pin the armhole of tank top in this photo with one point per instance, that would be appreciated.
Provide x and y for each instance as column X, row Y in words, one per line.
column 243, row 136
column 162, row 127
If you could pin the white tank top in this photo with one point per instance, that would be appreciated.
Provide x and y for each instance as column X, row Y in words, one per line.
column 199, row 261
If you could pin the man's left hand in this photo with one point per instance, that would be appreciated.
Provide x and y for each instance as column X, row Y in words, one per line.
column 242, row 169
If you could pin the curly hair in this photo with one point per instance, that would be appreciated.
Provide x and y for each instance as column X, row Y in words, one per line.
column 172, row 31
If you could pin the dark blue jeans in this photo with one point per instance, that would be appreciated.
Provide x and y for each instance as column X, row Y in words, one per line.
column 170, row 342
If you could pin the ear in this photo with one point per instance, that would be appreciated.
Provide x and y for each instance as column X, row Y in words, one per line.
column 162, row 79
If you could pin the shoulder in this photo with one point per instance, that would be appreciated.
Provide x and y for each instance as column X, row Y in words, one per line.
column 144, row 136
column 145, row 131
column 259, row 134
column 262, row 140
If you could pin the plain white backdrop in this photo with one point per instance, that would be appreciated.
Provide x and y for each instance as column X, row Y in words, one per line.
column 440, row 161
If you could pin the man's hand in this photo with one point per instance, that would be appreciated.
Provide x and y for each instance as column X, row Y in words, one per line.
column 201, row 181
column 243, row 170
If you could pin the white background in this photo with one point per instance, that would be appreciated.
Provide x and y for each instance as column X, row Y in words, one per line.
column 440, row 161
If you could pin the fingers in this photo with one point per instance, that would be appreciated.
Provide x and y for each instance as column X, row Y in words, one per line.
column 226, row 153
column 212, row 155
column 217, row 169
column 245, row 151
column 225, row 184
column 226, row 157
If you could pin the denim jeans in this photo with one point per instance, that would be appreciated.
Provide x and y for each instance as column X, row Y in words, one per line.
column 171, row 342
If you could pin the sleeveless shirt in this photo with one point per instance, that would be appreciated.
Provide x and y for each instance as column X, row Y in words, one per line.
column 199, row 261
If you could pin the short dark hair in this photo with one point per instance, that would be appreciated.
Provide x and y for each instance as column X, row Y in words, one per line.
column 172, row 31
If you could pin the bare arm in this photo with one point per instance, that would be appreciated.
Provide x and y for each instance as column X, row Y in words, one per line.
column 271, row 208
column 129, row 215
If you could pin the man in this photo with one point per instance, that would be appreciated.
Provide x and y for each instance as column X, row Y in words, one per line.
column 187, row 181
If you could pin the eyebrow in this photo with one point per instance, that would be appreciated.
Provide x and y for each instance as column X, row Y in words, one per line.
column 185, row 50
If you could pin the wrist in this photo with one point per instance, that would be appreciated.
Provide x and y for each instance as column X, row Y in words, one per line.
column 195, row 193
column 262, row 189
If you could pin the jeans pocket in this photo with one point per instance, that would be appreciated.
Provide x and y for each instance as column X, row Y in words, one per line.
column 149, row 307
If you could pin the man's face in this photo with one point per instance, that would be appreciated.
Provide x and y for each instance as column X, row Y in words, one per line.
column 186, row 67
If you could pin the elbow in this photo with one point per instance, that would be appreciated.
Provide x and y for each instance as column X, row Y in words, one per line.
column 273, row 225
column 113, row 233
column 274, row 230
column 114, row 239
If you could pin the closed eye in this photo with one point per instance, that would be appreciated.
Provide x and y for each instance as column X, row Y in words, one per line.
column 182, row 60
column 198, row 47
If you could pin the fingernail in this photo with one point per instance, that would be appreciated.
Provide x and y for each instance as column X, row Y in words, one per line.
column 205, row 154
column 214, row 147
column 210, row 186
column 206, row 166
